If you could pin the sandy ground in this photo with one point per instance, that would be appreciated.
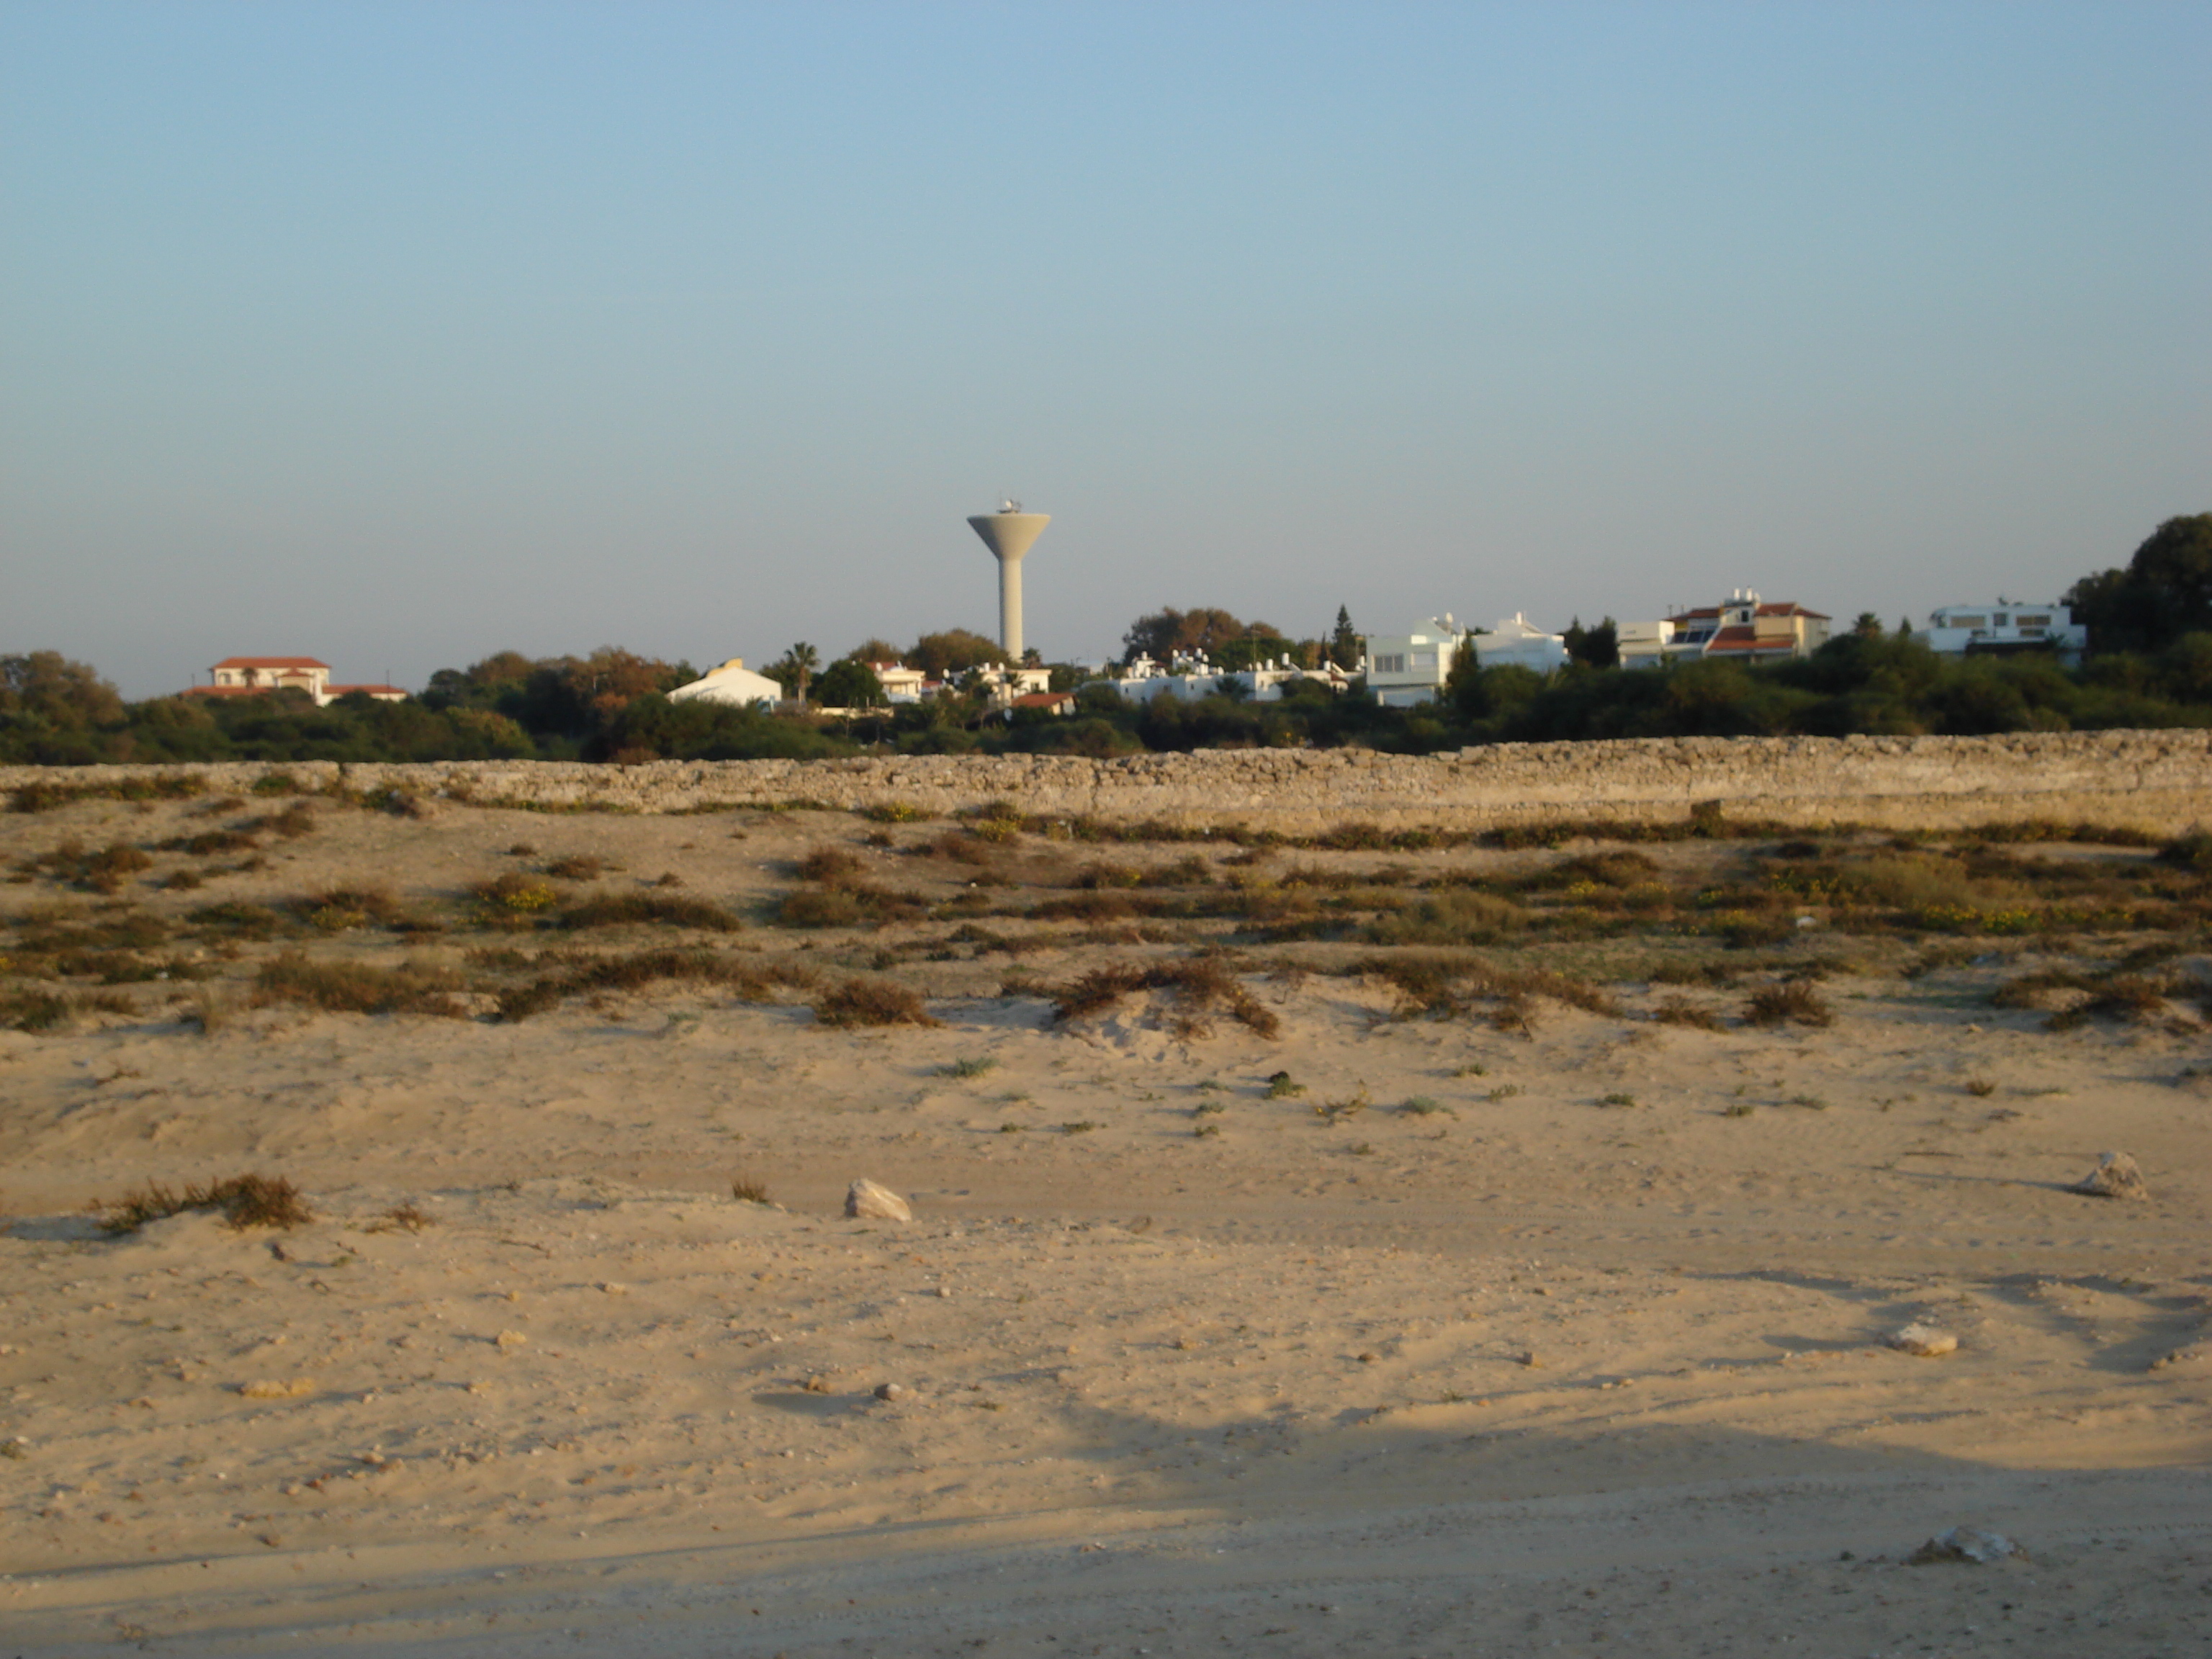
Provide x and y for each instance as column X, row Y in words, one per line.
column 1517, row 1371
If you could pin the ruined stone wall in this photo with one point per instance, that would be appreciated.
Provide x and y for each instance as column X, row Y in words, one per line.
column 2157, row 781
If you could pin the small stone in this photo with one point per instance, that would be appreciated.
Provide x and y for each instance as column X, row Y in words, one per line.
column 510, row 1339
column 1924, row 1341
column 1368, row 1359
column 2115, row 1177
column 816, row 1385
column 612, row 1288
column 1532, row 1361
column 271, row 1388
column 1964, row 1544
column 865, row 1200
column 892, row 1392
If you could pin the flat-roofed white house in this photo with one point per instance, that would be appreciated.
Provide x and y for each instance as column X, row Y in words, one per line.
column 1406, row 670
column 2006, row 626
column 254, row 676
column 1516, row 643
column 1744, row 630
column 733, row 682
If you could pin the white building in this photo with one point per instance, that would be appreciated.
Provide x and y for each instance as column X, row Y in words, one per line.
column 1514, row 642
column 733, row 682
column 2006, row 626
column 1406, row 670
column 1193, row 677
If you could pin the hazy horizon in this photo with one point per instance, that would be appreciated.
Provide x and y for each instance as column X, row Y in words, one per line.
column 399, row 335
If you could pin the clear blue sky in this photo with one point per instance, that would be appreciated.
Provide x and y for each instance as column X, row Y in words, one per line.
column 397, row 334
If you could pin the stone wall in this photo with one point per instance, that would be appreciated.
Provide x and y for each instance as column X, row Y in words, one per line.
column 2156, row 780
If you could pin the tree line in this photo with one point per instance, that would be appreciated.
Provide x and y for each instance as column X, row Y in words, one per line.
column 2150, row 665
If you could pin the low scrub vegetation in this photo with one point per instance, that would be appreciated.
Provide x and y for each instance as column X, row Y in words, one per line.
column 872, row 1002
column 357, row 988
column 1198, row 987
column 657, row 910
column 244, row 1200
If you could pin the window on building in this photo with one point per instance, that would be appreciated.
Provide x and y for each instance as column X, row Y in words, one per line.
column 1390, row 663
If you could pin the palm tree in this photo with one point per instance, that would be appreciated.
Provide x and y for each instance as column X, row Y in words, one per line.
column 804, row 659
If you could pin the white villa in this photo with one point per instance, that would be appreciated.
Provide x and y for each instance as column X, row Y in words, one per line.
column 1194, row 676
column 253, row 677
column 1514, row 642
column 1406, row 670
column 2006, row 626
column 732, row 683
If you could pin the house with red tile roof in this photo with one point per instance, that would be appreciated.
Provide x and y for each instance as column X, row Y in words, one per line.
column 1745, row 629
column 254, row 676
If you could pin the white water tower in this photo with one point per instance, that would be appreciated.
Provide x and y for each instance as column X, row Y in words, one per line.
column 1010, row 533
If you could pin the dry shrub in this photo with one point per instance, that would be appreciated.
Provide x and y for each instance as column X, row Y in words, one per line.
column 32, row 1011
column 235, row 918
column 1101, row 906
column 355, row 988
column 1451, row 918
column 1104, row 874
column 746, row 1190
column 618, row 910
column 893, row 812
column 1437, row 982
column 1618, row 867
column 1679, row 1010
column 1190, row 871
column 245, row 1201
column 212, row 843
column 750, row 982
column 334, row 909
column 402, row 1217
column 577, row 866
column 2192, row 851
column 1199, row 985
column 102, row 872
column 832, row 866
column 2129, row 997
column 965, row 847
column 1696, row 973
column 853, row 905
column 515, row 894
column 872, row 1002
column 1793, row 999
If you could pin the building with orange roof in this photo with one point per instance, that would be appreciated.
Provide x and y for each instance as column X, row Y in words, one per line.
column 1745, row 629
column 252, row 677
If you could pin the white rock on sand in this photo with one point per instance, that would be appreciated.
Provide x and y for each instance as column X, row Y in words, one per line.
column 2115, row 1177
column 866, row 1200
column 1924, row 1341
column 1969, row 1545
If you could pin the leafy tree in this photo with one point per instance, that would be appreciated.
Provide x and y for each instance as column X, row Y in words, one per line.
column 954, row 651
column 794, row 670
column 875, row 651
column 1343, row 642
column 48, row 687
column 1165, row 633
column 1866, row 623
column 1595, row 648
column 848, row 684
column 2164, row 591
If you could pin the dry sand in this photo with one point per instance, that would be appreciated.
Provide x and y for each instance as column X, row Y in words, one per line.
column 1518, row 1372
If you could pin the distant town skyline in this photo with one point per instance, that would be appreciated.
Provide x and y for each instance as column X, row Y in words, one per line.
column 399, row 335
